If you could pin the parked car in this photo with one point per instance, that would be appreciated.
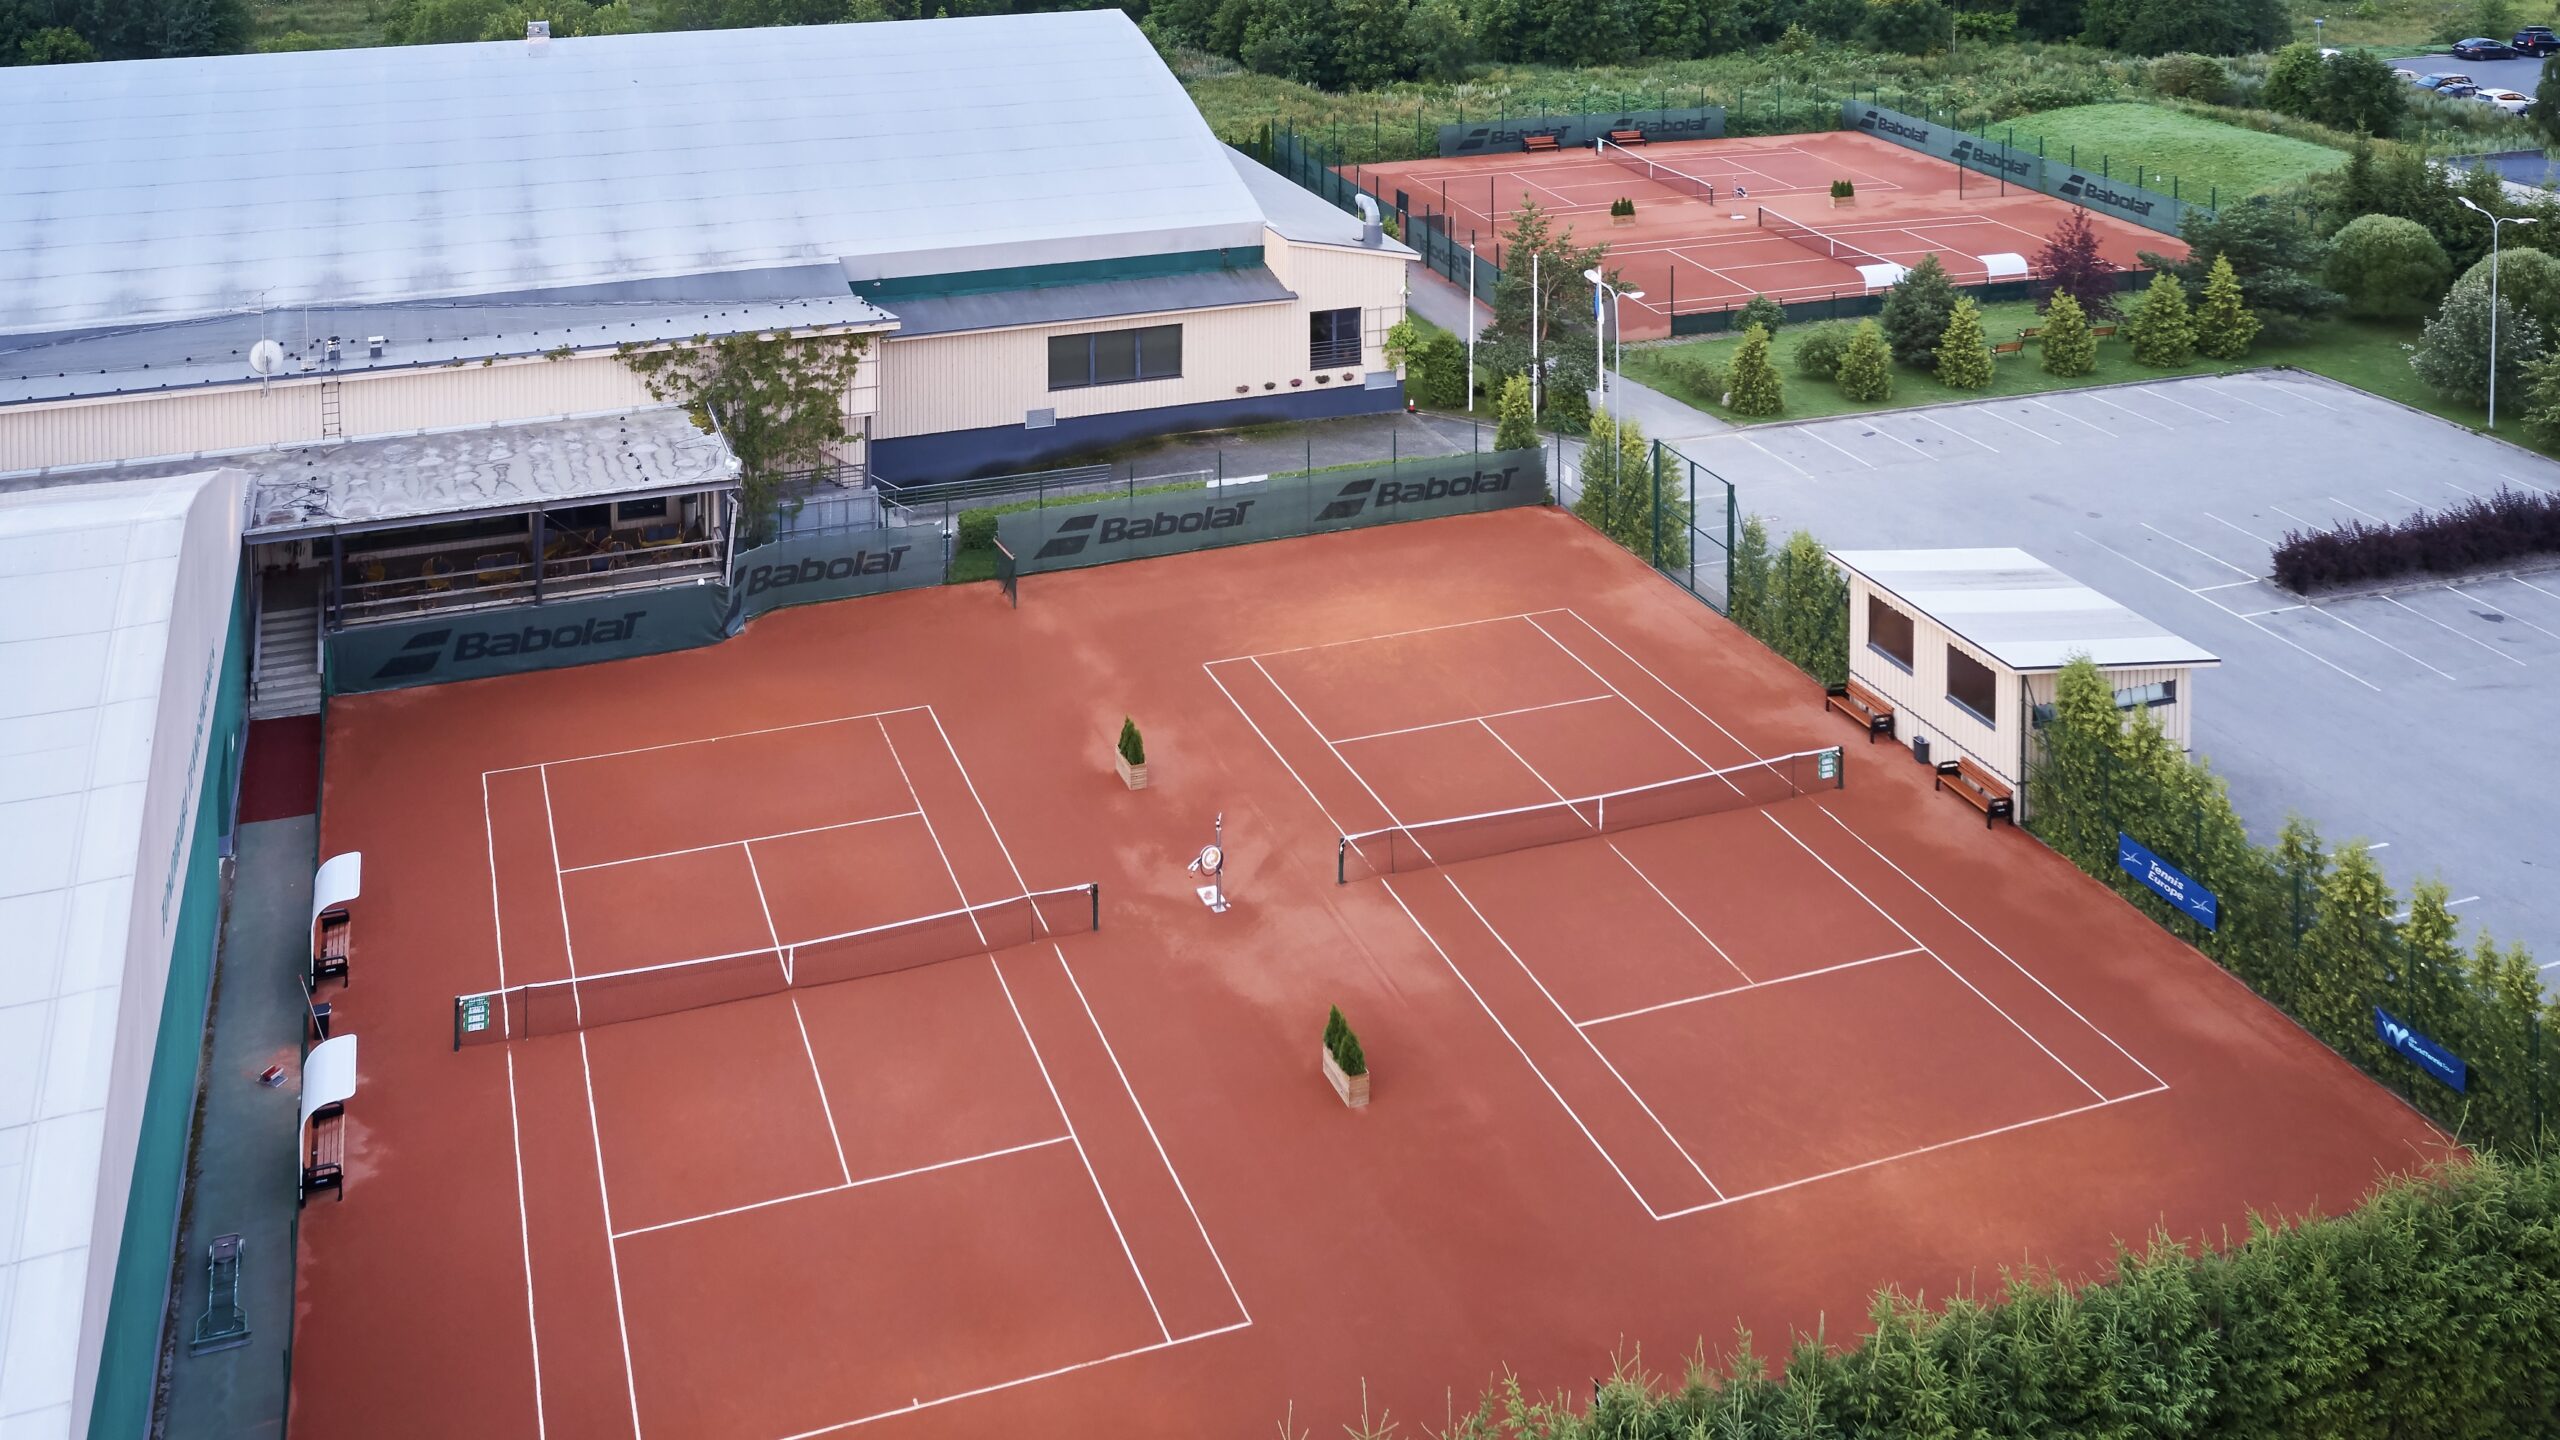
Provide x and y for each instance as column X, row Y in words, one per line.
column 2451, row 86
column 2513, row 102
column 2481, row 47
column 2535, row 40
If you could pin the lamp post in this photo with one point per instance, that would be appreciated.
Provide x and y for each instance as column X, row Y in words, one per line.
column 2319, row 32
column 2497, row 227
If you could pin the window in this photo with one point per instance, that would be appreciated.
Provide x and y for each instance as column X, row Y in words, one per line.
column 1889, row 632
column 1333, row 339
column 1971, row 684
column 2131, row 697
column 1115, row 357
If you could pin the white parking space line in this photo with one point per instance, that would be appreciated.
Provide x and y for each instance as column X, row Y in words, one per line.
column 2227, row 610
column 2291, row 392
column 2136, row 414
column 2289, row 515
column 2474, row 639
column 2412, row 499
column 2227, row 525
column 2183, row 405
column 2378, row 640
column 1816, row 435
column 2076, row 420
column 2529, row 585
column 1950, row 429
column 2014, row 425
column 2369, row 515
column 2226, row 393
column 2209, row 555
column 2501, row 610
column 1905, row 444
column 2465, row 489
column 1774, row 455
column 2529, row 485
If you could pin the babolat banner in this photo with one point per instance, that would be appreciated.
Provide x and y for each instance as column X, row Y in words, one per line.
column 2147, row 208
column 526, row 637
column 833, row 565
column 1277, row 507
column 1704, row 122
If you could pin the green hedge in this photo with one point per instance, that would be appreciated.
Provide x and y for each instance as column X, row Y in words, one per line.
column 1794, row 601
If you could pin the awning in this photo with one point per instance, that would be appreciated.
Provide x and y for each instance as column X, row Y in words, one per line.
column 328, row 1078
column 340, row 880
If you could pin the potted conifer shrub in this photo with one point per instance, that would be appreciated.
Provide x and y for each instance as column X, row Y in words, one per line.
column 1842, row 193
column 1345, row 1067
column 1622, row 211
column 1130, row 755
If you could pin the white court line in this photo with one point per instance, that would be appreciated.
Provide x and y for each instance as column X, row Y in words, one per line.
column 826, row 1107
column 2014, row 425
column 2496, row 608
column 1167, row 1160
column 524, row 1237
column 866, row 1180
column 1755, row 985
column 1774, row 455
column 2227, row 525
column 497, row 918
column 2183, row 405
column 1021, row 886
column 1694, row 927
column 1667, row 686
column 1108, row 1213
column 1816, row 436
column 1010, row 1384
column 2136, row 414
column 2074, row 419
column 749, row 840
column 1960, row 977
column 934, row 835
column 1950, row 429
column 2474, row 639
column 705, row 740
column 2369, row 515
column 1703, row 763
column 560, row 887
column 1465, row 720
column 612, row 1255
column 1605, row 1157
column 1596, row 1052
column 1919, row 1150
column 1363, row 639
column 1340, row 759
column 2209, row 555
column 2227, row 610
column 1986, row 940
column 1256, row 727
column 1533, row 772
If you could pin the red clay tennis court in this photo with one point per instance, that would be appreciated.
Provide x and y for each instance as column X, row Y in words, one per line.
column 1714, row 217
column 1789, row 1036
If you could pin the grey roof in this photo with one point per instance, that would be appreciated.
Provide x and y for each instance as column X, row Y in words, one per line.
column 2019, row 610
column 171, row 189
column 1056, row 304
column 1298, row 213
column 450, row 474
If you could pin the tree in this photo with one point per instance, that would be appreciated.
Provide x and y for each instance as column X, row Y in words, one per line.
column 1517, row 429
column 1438, row 40
column 1964, row 357
column 2162, row 333
column 2274, row 252
column 2453, row 353
column 1762, row 311
column 779, row 403
column 2542, row 401
column 2069, row 345
column 1618, row 490
column 2070, row 264
column 2527, row 278
column 1909, row 27
column 1560, row 307
column 2349, row 90
column 2200, row 78
column 1755, row 388
column 1915, row 313
column 2206, row 27
column 56, row 45
column 2544, row 112
column 2223, row 325
column 2387, row 267
column 2293, row 82
column 1866, row 367
column 1805, row 609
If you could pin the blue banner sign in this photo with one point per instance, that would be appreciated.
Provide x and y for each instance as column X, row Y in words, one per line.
column 2428, row 1055
column 2167, row 881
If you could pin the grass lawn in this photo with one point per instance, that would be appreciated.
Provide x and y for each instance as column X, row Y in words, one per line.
column 338, row 23
column 2148, row 144
column 2370, row 355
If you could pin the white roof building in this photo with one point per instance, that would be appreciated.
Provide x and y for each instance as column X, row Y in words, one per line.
column 2019, row 610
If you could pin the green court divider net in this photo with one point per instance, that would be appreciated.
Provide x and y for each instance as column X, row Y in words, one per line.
column 1395, row 849
column 556, row 1007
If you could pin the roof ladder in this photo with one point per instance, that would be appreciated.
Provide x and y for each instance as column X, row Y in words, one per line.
column 330, row 427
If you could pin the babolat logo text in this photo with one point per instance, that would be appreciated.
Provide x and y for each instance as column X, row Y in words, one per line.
column 1884, row 124
column 1074, row 534
column 818, row 567
column 418, row 655
column 423, row 652
column 2098, row 192
column 1996, row 159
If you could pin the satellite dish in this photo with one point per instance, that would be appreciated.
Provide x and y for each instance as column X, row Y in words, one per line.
column 266, row 357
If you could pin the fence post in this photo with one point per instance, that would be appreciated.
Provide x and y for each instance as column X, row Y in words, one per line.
column 1729, row 538
column 1653, row 464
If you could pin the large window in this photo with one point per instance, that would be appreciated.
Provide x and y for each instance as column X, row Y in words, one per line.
column 1888, row 632
column 1333, row 339
column 1971, row 684
column 1115, row 357
column 2129, row 697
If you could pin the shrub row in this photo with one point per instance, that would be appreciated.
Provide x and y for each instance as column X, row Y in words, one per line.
column 2488, row 530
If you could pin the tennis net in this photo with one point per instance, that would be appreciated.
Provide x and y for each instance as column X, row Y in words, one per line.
column 1818, row 242
column 1395, row 849
column 1663, row 175
column 555, row 1007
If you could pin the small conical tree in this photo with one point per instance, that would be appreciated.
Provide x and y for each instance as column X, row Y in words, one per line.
column 1753, row 386
column 2069, row 346
column 1132, row 749
column 2224, row 325
column 1964, row 357
column 1349, row 1056
column 1866, row 367
column 1517, row 427
column 2162, row 333
column 1335, row 1027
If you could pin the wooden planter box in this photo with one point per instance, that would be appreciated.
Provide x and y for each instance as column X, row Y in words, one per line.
column 1353, row 1089
column 1622, row 219
column 1133, row 776
column 1839, row 201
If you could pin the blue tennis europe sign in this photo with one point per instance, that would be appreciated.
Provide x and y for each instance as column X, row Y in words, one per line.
column 2429, row 1056
column 2167, row 881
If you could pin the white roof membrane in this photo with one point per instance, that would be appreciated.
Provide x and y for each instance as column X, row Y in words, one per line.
column 2019, row 610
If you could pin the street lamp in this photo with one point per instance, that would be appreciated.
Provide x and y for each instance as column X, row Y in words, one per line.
column 1601, row 324
column 2319, row 31
column 2497, row 225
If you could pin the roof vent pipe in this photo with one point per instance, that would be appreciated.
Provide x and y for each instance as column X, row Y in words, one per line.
column 537, row 36
column 1370, row 232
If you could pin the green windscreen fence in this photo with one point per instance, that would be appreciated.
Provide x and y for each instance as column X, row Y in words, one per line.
column 1684, row 516
column 2061, row 177
column 1506, row 134
column 512, row 639
column 1071, row 535
column 803, row 569
column 1451, row 247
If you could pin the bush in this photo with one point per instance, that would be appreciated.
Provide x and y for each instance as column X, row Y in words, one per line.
column 1756, row 389
column 2162, row 333
column 1435, row 373
column 1343, row 1045
column 2542, row 399
column 1335, row 1027
column 977, row 530
column 2223, row 325
column 1964, row 356
column 2387, row 267
column 1866, row 367
column 1132, row 749
column 2484, row 530
column 2453, row 352
column 1699, row 374
column 1843, row 190
column 1796, row 602
column 1819, row 349
column 2200, row 78
column 1516, row 428
column 1622, row 207
column 2528, row 279
column 1762, row 311
column 2068, row 346
column 1915, row 314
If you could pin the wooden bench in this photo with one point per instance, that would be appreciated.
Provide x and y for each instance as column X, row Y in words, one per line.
column 2010, row 347
column 2030, row 332
column 1862, row 705
column 1626, row 137
column 333, row 945
column 324, row 1167
column 1979, row 788
column 2103, row 331
column 1535, row 143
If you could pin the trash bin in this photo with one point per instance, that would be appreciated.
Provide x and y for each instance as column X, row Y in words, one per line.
column 320, row 1021
column 1920, row 748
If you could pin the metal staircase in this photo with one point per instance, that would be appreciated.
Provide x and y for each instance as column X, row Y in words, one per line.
column 285, row 675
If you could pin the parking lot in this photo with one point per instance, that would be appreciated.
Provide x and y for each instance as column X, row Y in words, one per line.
column 2521, row 74
column 2410, row 719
